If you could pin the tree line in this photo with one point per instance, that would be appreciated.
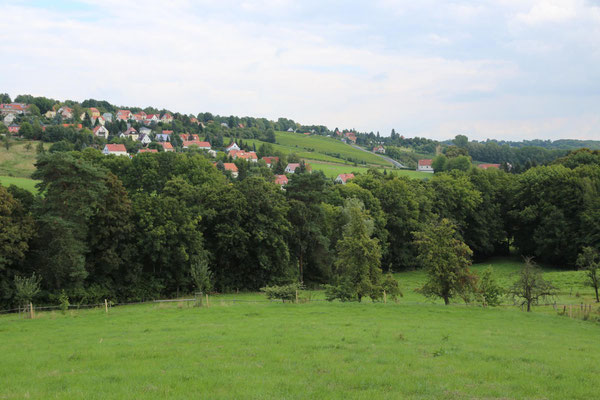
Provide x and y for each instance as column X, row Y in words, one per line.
column 135, row 229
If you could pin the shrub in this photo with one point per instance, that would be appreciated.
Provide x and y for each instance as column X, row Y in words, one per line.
column 489, row 289
column 282, row 292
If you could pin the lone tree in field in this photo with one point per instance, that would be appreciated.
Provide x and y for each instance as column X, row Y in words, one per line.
column 446, row 258
column 26, row 288
column 589, row 261
column 531, row 286
column 358, row 264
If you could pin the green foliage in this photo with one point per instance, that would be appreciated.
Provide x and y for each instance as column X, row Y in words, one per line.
column 446, row 259
column 26, row 288
column 282, row 292
column 202, row 276
column 391, row 287
column 357, row 267
column 63, row 301
column 530, row 286
column 589, row 261
column 489, row 289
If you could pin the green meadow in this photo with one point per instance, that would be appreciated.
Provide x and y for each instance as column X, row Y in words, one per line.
column 332, row 170
column 19, row 159
column 412, row 349
column 25, row 183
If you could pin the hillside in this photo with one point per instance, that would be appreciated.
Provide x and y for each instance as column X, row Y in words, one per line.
column 19, row 160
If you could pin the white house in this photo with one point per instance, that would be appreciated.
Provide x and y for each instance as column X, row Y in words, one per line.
column 425, row 165
column 379, row 149
column 108, row 117
column 144, row 139
column 167, row 118
column 100, row 131
column 145, row 130
column 343, row 178
column 291, row 168
column 116, row 149
column 232, row 146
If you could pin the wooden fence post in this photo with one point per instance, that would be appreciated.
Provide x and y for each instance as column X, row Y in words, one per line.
column 105, row 306
column 570, row 311
column 384, row 297
column 207, row 305
column 296, row 297
column 31, row 310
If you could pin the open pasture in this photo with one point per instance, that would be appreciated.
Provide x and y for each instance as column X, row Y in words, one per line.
column 320, row 350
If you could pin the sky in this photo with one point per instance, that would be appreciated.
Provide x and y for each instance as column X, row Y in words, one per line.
column 503, row 69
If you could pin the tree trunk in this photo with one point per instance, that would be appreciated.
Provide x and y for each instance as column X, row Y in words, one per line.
column 528, row 305
column 301, row 271
column 597, row 299
column 446, row 300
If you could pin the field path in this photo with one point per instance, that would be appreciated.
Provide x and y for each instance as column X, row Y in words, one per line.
column 394, row 162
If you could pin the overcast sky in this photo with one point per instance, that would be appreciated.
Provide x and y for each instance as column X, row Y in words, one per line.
column 505, row 69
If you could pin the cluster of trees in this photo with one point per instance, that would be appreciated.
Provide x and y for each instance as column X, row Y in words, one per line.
column 134, row 229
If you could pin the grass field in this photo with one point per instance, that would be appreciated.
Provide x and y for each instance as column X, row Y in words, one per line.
column 25, row 183
column 333, row 170
column 18, row 161
column 317, row 350
column 314, row 147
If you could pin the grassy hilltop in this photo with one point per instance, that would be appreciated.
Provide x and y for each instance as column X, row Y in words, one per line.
column 268, row 350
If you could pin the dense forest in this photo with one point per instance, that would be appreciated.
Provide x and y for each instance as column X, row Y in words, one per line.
column 136, row 229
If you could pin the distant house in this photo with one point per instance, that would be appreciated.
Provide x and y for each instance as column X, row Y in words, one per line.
column 231, row 167
column 291, row 168
column 94, row 113
column 152, row 118
column 271, row 161
column 145, row 130
column 108, row 117
column 244, row 155
column 13, row 108
column 379, row 149
column 144, row 139
column 425, row 165
column 201, row 145
column 140, row 117
column 232, row 146
column 194, row 120
column 124, row 115
column 116, row 149
column 9, row 119
column 167, row 118
column 212, row 153
column 281, row 180
column 486, row 166
column 100, row 131
column 147, row 151
column 343, row 178
column 50, row 114
column 163, row 137
column 14, row 128
column 224, row 125
column 167, row 146
column 131, row 132
column 351, row 138
column 187, row 136
column 66, row 112
column 100, row 119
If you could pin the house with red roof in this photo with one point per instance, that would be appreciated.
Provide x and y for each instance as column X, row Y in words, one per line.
column 486, row 166
column 232, row 146
column 343, row 178
column 124, row 115
column 100, row 131
column 167, row 146
column 14, row 128
column 116, row 149
column 425, row 165
column 291, row 168
column 281, row 180
column 13, row 108
column 270, row 161
column 131, row 132
column 231, row 167
column 147, row 151
column 194, row 120
column 201, row 145
column 152, row 118
column 244, row 155
column 94, row 113
column 66, row 112
column 379, row 149
column 167, row 118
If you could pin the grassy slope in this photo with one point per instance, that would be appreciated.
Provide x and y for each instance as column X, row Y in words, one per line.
column 318, row 350
column 18, row 161
column 25, row 183
column 333, row 170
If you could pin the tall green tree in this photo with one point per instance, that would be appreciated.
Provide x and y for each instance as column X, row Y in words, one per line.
column 446, row 259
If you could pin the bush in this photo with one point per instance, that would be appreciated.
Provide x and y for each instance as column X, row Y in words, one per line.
column 282, row 292
column 64, row 301
column 391, row 287
column 489, row 289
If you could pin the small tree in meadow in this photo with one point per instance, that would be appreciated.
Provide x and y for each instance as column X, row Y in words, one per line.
column 26, row 288
column 446, row 258
column 202, row 276
column 530, row 287
column 589, row 261
column 489, row 289
column 391, row 287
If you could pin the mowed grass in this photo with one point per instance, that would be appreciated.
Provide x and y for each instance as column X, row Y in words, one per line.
column 317, row 350
column 18, row 161
column 25, row 183
column 327, row 146
column 333, row 170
